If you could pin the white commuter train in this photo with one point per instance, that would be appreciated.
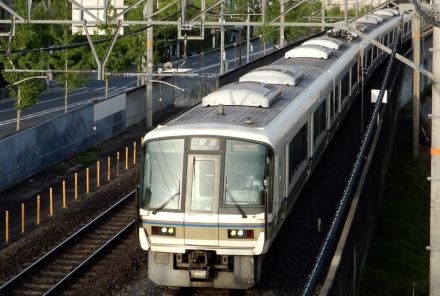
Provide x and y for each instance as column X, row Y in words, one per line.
column 219, row 179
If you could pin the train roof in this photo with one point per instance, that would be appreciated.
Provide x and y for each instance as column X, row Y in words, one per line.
column 255, row 115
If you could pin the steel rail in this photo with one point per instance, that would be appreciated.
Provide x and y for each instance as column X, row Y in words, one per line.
column 11, row 284
column 56, row 289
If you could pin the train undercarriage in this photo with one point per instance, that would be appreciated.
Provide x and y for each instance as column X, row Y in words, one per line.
column 199, row 268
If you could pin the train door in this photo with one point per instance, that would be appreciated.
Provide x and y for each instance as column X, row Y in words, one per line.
column 202, row 200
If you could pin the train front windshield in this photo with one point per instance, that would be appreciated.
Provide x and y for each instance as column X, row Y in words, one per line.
column 244, row 170
column 162, row 178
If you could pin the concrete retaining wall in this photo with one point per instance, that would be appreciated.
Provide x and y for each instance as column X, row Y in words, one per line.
column 34, row 149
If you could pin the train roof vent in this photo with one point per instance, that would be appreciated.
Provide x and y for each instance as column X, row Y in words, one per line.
column 367, row 20
column 380, row 19
column 383, row 12
column 252, row 94
column 392, row 10
column 328, row 42
column 274, row 74
column 309, row 51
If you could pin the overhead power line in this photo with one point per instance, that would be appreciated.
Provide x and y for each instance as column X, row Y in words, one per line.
column 429, row 16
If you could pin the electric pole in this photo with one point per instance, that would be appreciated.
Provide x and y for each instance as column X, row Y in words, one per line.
column 222, row 41
column 434, row 270
column 282, row 23
column 416, row 26
column 148, row 9
column 248, row 34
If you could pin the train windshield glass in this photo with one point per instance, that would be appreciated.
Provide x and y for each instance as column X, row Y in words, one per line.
column 163, row 174
column 246, row 173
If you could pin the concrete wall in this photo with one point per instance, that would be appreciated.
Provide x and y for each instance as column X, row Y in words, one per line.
column 43, row 145
column 36, row 148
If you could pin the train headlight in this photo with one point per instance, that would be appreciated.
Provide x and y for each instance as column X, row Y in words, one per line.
column 241, row 233
column 162, row 230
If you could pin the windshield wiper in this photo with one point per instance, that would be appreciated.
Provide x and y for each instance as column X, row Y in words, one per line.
column 240, row 209
column 165, row 203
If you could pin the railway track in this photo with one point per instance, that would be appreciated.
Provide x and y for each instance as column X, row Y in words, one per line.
column 57, row 270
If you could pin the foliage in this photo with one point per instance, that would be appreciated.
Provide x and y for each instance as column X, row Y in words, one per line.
column 398, row 263
column 72, row 59
column 26, row 36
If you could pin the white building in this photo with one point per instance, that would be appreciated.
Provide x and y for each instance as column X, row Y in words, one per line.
column 353, row 3
column 96, row 8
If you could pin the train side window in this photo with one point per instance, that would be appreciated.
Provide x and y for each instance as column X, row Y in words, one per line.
column 337, row 97
column 345, row 86
column 319, row 120
column 354, row 74
column 367, row 59
column 297, row 151
column 332, row 104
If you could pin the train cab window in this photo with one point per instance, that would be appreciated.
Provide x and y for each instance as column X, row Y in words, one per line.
column 319, row 121
column 163, row 174
column 247, row 167
column 354, row 74
column 297, row 151
column 202, row 195
column 345, row 86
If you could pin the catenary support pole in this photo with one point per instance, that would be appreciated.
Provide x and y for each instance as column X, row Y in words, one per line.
column 282, row 23
column 248, row 35
column 434, row 239
column 149, row 69
column 416, row 28
column 222, row 41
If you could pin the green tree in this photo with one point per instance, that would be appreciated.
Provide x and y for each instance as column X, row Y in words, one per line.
column 67, row 59
column 25, row 93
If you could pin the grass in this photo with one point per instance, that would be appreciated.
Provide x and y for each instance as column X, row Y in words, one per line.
column 398, row 263
column 87, row 157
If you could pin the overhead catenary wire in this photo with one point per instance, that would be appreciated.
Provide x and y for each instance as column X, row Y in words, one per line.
column 429, row 16
column 327, row 248
column 76, row 44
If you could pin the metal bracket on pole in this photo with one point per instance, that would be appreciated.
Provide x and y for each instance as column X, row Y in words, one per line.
column 85, row 10
column 101, row 65
column 92, row 47
column 398, row 56
column 29, row 8
column 11, row 11
column 288, row 10
column 110, row 48
column 105, row 10
column 10, row 34
column 134, row 5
